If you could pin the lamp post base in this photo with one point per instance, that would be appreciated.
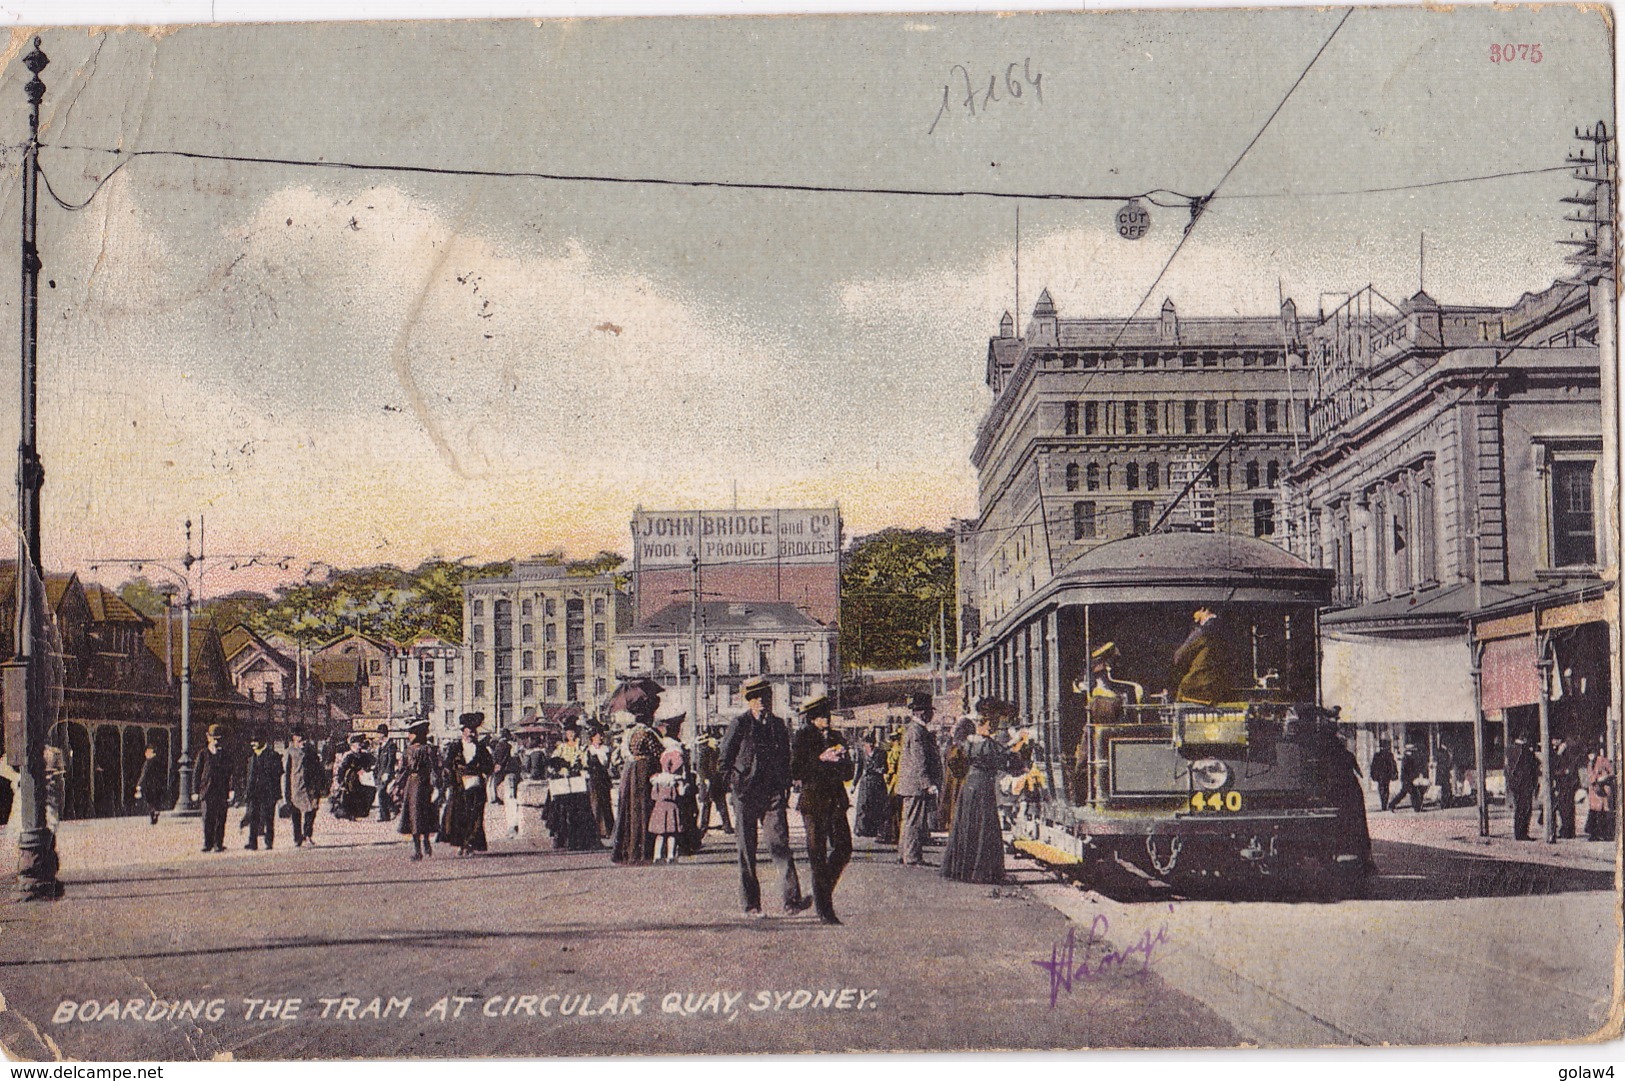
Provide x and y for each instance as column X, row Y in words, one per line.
column 37, row 867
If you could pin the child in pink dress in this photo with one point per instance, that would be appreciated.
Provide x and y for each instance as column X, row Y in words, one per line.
column 665, row 823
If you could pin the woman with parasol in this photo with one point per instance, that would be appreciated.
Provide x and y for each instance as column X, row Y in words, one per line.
column 643, row 749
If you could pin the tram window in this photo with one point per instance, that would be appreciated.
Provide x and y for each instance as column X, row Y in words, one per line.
column 1072, row 476
column 1263, row 517
column 1092, row 477
column 1083, row 520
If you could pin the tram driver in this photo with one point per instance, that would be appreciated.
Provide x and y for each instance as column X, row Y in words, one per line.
column 1201, row 670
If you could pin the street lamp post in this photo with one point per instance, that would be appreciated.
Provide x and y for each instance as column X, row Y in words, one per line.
column 36, row 845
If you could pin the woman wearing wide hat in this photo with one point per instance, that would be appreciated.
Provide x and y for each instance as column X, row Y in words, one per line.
column 633, row 843
column 975, row 851
column 414, row 788
column 468, row 769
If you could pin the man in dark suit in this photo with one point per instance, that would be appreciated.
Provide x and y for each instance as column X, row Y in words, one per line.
column 1384, row 772
column 1523, row 774
column 264, row 787
column 303, row 783
column 213, row 776
column 385, row 759
column 919, row 779
column 1201, row 670
column 818, row 760
column 756, row 761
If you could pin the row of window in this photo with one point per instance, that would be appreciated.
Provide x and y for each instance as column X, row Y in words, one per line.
column 764, row 659
column 1170, row 358
column 550, row 689
column 527, row 607
column 1094, row 477
column 1151, row 417
column 527, row 660
column 1088, row 518
column 527, row 633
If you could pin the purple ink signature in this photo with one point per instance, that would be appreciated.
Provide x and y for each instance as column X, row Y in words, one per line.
column 1065, row 970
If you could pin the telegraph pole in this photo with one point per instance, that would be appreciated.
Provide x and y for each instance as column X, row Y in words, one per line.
column 26, row 705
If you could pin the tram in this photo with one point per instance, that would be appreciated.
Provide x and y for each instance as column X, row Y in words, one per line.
column 1252, row 787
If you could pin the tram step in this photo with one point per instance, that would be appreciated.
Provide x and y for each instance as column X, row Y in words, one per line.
column 1044, row 853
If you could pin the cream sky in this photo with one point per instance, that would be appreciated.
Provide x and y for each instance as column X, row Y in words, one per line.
column 359, row 366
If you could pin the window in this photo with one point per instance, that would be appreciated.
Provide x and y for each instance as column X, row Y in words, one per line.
column 548, row 608
column 552, row 659
column 1153, row 476
column 1131, row 476
column 1093, row 475
column 1250, row 416
column 1252, row 474
column 682, row 660
column 1131, row 418
column 1091, row 418
column 1140, row 511
column 1210, row 359
column 1071, row 418
column 764, row 657
column 375, row 667
column 1072, row 476
column 597, row 632
column 733, row 660
column 634, row 660
column 1150, row 418
column 477, row 608
column 550, row 633
column 1272, row 475
column 1083, row 520
column 599, row 660
column 527, row 688
column 451, row 694
column 1190, row 418
column 448, row 668
column 550, row 690
column 1272, row 416
column 479, row 633
column 527, row 660
column 526, row 608
column 599, row 687
column 1574, row 524
column 479, row 688
column 598, row 606
column 798, row 657
column 1210, row 417
column 1263, row 517
column 657, row 658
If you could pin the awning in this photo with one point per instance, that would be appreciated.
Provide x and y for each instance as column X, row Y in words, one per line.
column 1380, row 680
column 1510, row 677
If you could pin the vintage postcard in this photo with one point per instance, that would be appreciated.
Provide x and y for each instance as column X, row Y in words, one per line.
column 583, row 537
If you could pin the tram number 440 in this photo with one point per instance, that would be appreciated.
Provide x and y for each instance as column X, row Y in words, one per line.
column 1216, row 801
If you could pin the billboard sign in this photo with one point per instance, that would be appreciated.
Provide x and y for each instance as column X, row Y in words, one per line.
column 797, row 537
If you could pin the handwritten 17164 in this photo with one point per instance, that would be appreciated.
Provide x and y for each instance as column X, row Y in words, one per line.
column 975, row 96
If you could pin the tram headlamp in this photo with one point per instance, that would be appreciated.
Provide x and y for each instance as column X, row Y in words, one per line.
column 1210, row 774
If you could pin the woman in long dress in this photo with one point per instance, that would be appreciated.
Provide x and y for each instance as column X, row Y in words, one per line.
column 870, row 798
column 599, row 783
column 414, row 789
column 568, row 815
column 468, row 769
column 643, row 750
column 975, row 850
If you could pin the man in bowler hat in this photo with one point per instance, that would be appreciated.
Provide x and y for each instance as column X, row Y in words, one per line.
column 756, row 761
column 213, row 773
column 818, row 760
column 919, row 779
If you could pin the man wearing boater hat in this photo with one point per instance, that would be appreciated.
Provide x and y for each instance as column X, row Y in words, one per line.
column 818, row 760
column 756, row 761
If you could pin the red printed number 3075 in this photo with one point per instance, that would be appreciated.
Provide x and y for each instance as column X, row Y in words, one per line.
column 1509, row 53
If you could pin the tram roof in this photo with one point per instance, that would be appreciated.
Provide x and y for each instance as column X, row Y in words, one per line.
column 1183, row 568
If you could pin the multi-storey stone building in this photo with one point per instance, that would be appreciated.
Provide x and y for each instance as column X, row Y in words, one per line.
column 1098, row 424
column 540, row 637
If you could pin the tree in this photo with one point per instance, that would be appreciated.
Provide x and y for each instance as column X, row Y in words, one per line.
column 894, row 585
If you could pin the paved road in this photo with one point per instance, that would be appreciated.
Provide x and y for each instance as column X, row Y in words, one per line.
column 1453, row 945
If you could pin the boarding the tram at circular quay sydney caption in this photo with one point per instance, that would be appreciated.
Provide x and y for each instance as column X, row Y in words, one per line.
column 1065, row 531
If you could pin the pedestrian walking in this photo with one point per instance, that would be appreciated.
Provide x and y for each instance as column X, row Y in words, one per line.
column 303, row 780
column 214, row 775
column 352, row 795
column 1342, row 772
column 1523, row 772
column 891, row 825
column 568, row 814
column 415, row 780
column 1601, row 795
column 149, row 786
column 643, row 750
column 919, row 779
column 819, row 762
column 1413, row 778
column 1567, row 765
column 1384, row 772
column 870, row 796
column 386, row 760
column 263, row 785
column 713, row 787
column 467, row 768
column 1444, row 765
column 955, row 768
column 665, row 820
column 599, row 784
column 975, row 851
column 756, row 762
column 508, row 764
